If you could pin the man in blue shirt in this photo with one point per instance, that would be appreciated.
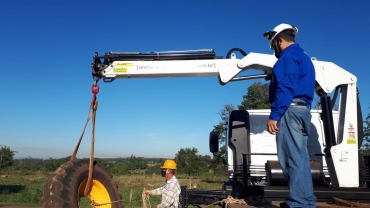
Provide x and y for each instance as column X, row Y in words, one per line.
column 291, row 93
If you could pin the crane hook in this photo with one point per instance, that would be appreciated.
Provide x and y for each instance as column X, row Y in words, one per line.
column 94, row 89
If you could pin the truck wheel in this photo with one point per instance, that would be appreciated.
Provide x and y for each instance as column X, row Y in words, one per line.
column 66, row 186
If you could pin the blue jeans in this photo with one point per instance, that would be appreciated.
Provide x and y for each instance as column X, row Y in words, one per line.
column 291, row 140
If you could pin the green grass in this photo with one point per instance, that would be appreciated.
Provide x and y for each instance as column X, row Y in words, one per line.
column 26, row 190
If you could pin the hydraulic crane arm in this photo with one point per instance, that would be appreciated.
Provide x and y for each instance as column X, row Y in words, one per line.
column 171, row 64
column 195, row 63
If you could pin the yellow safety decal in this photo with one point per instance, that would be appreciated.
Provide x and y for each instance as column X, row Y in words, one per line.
column 125, row 64
column 120, row 70
column 351, row 141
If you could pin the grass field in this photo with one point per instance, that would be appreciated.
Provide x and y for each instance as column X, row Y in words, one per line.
column 26, row 189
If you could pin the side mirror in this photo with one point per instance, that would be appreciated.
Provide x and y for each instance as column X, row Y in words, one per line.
column 213, row 142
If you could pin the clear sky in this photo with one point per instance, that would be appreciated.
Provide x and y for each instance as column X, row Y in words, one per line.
column 46, row 48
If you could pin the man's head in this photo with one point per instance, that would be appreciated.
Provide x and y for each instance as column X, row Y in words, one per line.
column 280, row 37
column 168, row 169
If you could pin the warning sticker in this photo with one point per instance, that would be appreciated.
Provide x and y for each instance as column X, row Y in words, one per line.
column 120, row 69
column 351, row 135
column 351, row 141
column 125, row 64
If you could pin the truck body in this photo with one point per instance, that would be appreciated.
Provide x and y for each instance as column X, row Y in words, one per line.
column 263, row 144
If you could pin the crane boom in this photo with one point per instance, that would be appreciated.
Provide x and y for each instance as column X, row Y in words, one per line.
column 196, row 63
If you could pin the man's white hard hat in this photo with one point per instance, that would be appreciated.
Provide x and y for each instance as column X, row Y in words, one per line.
column 270, row 35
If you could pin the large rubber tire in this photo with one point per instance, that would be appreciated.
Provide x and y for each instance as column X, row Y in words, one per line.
column 67, row 184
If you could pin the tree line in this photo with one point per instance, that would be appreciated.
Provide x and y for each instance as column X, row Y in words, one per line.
column 189, row 162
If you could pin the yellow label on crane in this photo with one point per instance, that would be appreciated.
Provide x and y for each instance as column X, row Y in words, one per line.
column 351, row 141
column 120, row 69
column 125, row 64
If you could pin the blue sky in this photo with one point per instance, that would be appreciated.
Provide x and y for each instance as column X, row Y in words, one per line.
column 46, row 49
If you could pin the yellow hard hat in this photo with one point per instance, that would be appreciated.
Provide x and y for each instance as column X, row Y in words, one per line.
column 169, row 164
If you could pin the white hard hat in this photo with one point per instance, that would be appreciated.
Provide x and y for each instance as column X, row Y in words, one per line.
column 270, row 35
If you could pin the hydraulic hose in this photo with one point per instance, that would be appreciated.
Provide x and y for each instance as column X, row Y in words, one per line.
column 235, row 49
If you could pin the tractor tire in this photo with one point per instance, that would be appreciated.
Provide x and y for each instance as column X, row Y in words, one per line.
column 66, row 186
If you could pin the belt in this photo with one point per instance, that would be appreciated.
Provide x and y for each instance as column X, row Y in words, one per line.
column 299, row 104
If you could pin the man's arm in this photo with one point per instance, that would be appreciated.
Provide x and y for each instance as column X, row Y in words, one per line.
column 272, row 126
column 157, row 191
column 286, row 76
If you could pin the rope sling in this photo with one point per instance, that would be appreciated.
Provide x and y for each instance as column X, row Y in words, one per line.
column 92, row 115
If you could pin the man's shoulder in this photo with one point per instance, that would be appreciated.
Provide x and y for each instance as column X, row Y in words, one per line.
column 295, row 52
column 173, row 180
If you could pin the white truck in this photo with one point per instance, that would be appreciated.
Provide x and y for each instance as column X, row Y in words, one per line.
column 251, row 152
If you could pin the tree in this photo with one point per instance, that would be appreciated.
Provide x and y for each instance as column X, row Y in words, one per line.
column 29, row 164
column 136, row 163
column 104, row 163
column 52, row 164
column 133, row 159
column 190, row 162
column 366, row 141
column 154, row 169
column 6, row 156
column 119, row 168
column 257, row 97
column 140, row 163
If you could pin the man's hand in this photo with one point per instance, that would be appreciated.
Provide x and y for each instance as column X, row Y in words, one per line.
column 272, row 126
column 147, row 192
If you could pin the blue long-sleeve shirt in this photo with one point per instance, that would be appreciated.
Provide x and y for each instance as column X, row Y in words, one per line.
column 293, row 77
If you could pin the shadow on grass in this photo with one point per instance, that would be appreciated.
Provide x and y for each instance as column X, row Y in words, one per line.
column 213, row 180
column 11, row 188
